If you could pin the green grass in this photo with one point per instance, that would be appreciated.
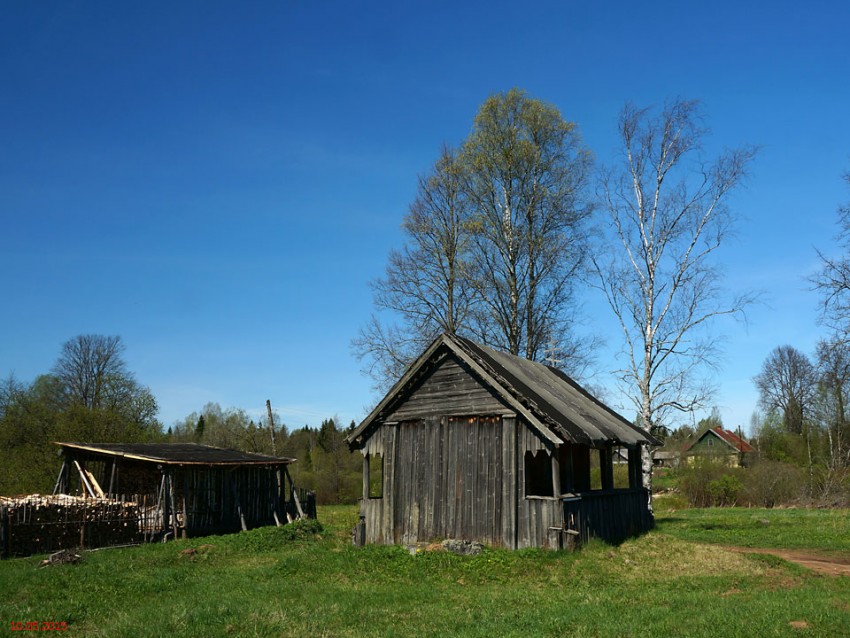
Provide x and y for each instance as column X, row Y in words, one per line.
column 823, row 529
column 293, row 582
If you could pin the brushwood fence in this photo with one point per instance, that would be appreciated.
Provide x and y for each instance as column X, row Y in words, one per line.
column 38, row 524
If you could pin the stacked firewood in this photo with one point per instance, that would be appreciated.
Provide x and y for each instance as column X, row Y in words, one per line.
column 36, row 524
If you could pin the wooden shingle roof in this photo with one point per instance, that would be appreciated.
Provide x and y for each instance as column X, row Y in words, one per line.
column 558, row 407
column 177, row 453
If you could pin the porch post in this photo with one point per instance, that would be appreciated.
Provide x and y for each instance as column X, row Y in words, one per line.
column 366, row 477
column 634, row 467
column 556, row 472
column 606, row 467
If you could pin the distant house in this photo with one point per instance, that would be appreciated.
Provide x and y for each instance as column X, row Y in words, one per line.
column 476, row 444
column 665, row 458
column 723, row 445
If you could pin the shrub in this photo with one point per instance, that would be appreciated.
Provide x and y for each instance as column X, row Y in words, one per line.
column 709, row 482
column 724, row 490
column 770, row 483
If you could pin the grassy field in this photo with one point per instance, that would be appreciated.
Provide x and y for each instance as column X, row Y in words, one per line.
column 285, row 582
column 823, row 530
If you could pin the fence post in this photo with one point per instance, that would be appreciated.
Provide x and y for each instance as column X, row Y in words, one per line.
column 5, row 533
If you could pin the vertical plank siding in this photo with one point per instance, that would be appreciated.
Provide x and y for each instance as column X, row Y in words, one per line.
column 446, row 481
column 611, row 516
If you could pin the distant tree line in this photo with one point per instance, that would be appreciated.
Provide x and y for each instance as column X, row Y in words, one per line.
column 90, row 396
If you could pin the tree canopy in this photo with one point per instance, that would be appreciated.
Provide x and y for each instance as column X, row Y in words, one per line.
column 494, row 241
column 89, row 395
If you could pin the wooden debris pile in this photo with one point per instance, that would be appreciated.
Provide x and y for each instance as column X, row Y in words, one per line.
column 62, row 557
column 37, row 524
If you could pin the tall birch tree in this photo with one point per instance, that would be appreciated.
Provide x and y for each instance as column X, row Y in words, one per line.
column 657, row 266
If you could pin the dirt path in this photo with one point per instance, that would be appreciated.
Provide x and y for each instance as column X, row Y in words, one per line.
column 820, row 563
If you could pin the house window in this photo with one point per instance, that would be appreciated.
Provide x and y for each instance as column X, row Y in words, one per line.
column 710, row 442
column 376, row 476
column 538, row 474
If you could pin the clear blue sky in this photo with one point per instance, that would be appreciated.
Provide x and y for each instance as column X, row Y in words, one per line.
column 218, row 182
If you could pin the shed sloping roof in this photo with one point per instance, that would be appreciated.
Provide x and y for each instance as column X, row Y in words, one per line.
column 177, row 453
column 549, row 400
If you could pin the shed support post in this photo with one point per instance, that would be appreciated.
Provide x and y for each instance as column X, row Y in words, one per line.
column 295, row 496
column 163, row 504
column 238, row 503
column 556, row 472
column 111, row 491
column 279, row 492
column 509, row 481
column 634, row 467
column 172, row 499
column 366, row 477
column 606, row 466
column 61, row 486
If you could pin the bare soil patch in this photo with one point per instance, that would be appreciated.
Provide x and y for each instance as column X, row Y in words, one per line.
column 817, row 562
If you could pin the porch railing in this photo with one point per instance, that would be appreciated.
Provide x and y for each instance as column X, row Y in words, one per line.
column 609, row 515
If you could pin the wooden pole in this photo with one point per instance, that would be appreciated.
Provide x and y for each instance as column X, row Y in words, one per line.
column 606, row 466
column 294, row 495
column 556, row 472
column 277, row 495
column 271, row 426
column 239, row 511
column 112, row 478
column 83, row 480
column 634, row 468
column 57, row 489
column 172, row 497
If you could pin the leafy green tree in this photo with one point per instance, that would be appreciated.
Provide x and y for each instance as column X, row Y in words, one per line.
column 494, row 242
column 527, row 173
column 710, row 422
column 833, row 393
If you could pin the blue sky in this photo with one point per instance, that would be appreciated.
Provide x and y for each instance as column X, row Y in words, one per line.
column 218, row 182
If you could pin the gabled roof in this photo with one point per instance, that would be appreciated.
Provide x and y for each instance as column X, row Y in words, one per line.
column 177, row 453
column 547, row 399
column 729, row 438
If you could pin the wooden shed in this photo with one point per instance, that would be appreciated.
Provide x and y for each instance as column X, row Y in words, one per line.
column 184, row 489
column 476, row 444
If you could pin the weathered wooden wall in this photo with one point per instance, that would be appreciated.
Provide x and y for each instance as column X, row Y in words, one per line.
column 450, row 389
column 448, row 481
